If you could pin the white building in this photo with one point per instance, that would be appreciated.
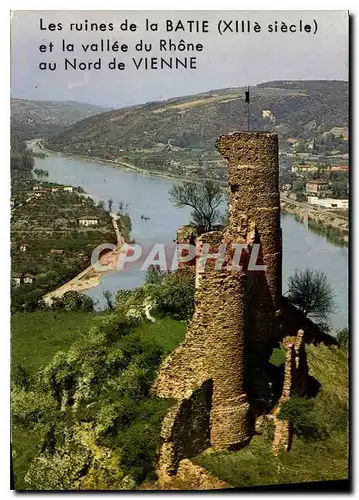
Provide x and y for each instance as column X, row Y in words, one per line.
column 68, row 188
column 29, row 278
column 328, row 202
column 16, row 278
column 88, row 221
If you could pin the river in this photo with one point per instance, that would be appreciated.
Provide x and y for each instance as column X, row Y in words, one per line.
column 149, row 196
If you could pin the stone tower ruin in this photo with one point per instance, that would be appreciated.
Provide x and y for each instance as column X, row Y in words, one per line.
column 217, row 376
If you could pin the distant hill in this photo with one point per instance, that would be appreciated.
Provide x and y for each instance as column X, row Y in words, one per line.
column 291, row 108
column 31, row 119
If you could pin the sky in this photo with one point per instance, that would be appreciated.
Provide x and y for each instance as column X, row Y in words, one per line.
column 229, row 59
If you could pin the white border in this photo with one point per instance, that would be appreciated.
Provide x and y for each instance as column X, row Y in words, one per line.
column 5, row 177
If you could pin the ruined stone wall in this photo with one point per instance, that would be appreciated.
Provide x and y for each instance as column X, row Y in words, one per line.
column 295, row 380
column 218, row 376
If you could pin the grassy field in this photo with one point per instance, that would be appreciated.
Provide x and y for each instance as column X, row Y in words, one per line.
column 309, row 460
column 35, row 337
column 167, row 332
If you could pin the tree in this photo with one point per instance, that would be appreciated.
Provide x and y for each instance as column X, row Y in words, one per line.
column 339, row 189
column 310, row 291
column 110, row 203
column 108, row 296
column 343, row 337
column 205, row 200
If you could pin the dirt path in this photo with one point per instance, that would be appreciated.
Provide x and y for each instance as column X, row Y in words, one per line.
column 89, row 277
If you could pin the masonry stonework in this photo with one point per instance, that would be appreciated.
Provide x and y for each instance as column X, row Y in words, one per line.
column 218, row 376
column 213, row 350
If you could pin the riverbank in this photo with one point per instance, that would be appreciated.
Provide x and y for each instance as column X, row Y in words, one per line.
column 123, row 165
column 333, row 228
column 323, row 222
column 89, row 277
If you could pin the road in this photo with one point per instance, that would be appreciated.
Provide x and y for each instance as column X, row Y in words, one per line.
column 309, row 206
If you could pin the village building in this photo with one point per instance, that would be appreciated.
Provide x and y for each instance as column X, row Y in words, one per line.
column 88, row 221
column 68, row 188
column 12, row 203
column 292, row 141
column 328, row 202
column 316, row 187
column 23, row 248
column 55, row 251
column 16, row 278
column 28, row 278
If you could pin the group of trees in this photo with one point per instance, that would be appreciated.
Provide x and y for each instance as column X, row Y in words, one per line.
column 40, row 173
column 28, row 298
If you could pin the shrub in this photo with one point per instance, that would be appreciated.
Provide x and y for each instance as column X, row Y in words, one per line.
column 166, row 294
column 300, row 412
column 176, row 295
column 73, row 301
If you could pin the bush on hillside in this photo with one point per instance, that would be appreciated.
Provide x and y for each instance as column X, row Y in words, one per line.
column 300, row 412
column 343, row 337
column 73, row 301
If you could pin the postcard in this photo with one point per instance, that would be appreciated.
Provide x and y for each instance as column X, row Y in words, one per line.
column 179, row 250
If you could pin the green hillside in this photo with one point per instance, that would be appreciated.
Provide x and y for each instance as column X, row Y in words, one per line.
column 31, row 119
column 37, row 337
column 292, row 109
